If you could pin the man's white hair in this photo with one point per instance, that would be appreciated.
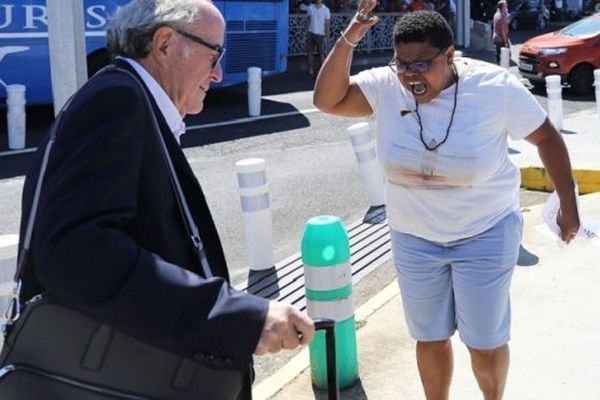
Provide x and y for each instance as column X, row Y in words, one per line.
column 130, row 31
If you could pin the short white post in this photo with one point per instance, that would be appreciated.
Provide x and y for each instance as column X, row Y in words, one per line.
column 597, row 85
column 366, row 157
column 458, row 54
column 256, row 212
column 555, row 107
column 15, row 100
column 254, row 91
column 505, row 57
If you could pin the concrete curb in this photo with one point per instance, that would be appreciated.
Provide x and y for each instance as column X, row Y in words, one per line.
column 535, row 178
column 273, row 384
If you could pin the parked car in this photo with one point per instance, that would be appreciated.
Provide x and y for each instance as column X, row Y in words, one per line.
column 572, row 52
column 591, row 7
column 523, row 14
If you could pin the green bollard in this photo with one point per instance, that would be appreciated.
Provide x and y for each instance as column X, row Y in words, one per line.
column 328, row 282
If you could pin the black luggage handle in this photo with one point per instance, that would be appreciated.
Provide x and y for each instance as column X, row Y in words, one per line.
column 328, row 326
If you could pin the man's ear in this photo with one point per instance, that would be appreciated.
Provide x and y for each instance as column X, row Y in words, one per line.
column 450, row 55
column 163, row 42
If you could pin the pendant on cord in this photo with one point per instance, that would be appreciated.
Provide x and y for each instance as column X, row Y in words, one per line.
column 429, row 160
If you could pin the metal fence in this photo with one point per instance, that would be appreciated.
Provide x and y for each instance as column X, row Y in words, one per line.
column 378, row 38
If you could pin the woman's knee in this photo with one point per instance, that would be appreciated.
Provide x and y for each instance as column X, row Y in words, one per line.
column 436, row 345
column 487, row 353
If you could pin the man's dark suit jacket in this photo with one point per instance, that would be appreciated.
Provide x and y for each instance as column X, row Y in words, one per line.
column 109, row 238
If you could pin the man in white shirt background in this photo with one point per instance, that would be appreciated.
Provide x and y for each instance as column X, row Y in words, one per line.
column 319, row 19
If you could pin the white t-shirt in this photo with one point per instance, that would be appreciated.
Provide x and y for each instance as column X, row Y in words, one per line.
column 469, row 183
column 317, row 17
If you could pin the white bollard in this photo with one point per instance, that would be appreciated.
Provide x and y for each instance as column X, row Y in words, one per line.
column 15, row 101
column 254, row 91
column 366, row 156
column 597, row 85
column 256, row 212
column 505, row 57
column 458, row 54
column 555, row 107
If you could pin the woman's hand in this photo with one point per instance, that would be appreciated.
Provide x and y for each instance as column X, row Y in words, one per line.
column 568, row 222
column 362, row 21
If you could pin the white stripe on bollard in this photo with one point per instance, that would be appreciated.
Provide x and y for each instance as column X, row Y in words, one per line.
column 337, row 310
column 8, row 263
column 597, row 85
column 15, row 100
column 366, row 157
column 329, row 278
column 256, row 212
column 555, row 107
column 254, row 91
column 505, row 57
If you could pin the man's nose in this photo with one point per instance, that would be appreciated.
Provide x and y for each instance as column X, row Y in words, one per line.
column 216, row 74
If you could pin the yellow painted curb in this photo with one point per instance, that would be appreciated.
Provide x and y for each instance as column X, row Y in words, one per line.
column 535, row 178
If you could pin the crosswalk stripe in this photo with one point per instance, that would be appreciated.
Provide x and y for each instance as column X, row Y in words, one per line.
column 8, row 261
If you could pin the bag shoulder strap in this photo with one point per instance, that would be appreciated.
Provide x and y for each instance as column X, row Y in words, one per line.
column 14, row 308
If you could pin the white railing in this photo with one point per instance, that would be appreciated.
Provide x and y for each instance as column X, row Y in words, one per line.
column 378, row 38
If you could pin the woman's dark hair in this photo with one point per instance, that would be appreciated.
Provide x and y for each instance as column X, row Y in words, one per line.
column 423, row 26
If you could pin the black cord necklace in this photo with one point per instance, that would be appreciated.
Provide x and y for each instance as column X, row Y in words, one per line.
column 435, row 147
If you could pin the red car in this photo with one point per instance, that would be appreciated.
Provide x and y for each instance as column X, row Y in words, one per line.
column 572, row 52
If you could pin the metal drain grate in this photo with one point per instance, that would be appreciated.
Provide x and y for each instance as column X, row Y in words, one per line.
column 369, row 248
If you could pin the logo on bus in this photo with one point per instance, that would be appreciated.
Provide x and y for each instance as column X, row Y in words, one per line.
column 32, row 18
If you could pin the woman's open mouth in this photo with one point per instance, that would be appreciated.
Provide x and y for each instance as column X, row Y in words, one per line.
column 418, row 88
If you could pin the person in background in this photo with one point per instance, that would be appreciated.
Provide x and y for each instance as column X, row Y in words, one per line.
column 303, row 6
column 541, row 15
column 319, row 19
column 403, row 6
column 558, row 7
column 500, row 28
column 418, row 5
column 452, row 18
column 109, row 238
column 452, row 192
column 443, row 8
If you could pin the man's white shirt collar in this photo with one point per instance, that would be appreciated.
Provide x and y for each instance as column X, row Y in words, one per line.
column 165, row 104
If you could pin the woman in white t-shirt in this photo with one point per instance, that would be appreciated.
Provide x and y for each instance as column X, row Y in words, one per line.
column 452, row 193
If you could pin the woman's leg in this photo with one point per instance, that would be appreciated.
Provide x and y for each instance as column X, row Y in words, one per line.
column 425, row 283
column 435, row 361
column 491, row 368
column 481, row 277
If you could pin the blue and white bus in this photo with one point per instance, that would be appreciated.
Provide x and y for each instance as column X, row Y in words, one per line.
column 257, row 35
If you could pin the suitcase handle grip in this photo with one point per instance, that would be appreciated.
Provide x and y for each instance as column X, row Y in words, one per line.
column 328, row 325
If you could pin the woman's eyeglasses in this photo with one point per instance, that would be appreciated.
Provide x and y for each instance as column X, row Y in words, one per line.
column 421, row 67
column 218, row 48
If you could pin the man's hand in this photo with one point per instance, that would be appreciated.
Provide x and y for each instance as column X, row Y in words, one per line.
column 285, row 328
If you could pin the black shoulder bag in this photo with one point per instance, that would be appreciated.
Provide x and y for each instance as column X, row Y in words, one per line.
column 54, row 352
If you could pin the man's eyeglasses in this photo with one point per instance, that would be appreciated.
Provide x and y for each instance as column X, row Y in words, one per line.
column 422, row 66
column 218, row 48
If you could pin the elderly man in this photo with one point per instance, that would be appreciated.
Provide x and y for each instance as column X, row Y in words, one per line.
column 109, row 237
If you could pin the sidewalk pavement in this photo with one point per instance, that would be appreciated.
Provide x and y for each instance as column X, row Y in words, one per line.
column 555, row 344
column 580, row 132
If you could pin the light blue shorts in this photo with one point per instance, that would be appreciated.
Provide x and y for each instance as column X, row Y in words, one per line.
column 461, row 285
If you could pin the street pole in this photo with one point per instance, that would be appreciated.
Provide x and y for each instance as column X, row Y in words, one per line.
column 66, row 40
